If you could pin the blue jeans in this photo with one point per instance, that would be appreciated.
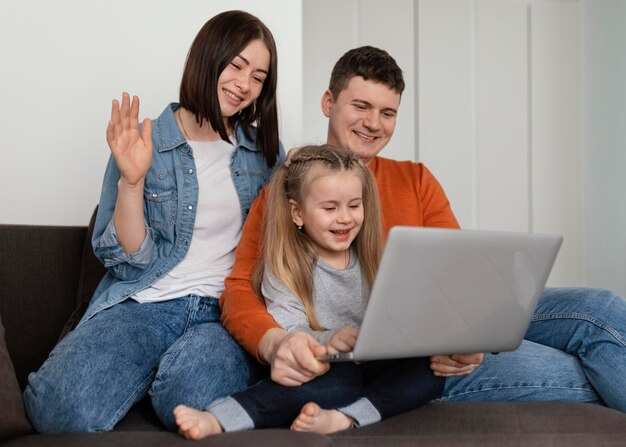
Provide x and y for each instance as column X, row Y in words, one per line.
column 575, row 350
column 177, row 351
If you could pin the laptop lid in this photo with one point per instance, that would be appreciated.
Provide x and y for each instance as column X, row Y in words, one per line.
column 441, row 291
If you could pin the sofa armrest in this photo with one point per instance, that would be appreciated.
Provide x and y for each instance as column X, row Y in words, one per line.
column 40, row 267
column 13, row 420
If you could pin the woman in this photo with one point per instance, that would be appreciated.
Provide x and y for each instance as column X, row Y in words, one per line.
column 175, row 195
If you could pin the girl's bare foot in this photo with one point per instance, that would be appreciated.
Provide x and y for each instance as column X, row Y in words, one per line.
column 312, row 418
column 195, row 424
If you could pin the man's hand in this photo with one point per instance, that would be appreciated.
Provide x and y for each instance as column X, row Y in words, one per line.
column 455, row 365
column 293, row 357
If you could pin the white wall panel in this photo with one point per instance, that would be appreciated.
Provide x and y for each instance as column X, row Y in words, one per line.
column 557, row 176
column 325, row 37
column 605, row 140
column 499, row 106
column 502, row 115
column 445, row 100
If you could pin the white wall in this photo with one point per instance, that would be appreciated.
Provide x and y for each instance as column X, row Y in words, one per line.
column 605, row 115
column 518, row 106
column 63, row 61
column 499, row 120
column 493, row 104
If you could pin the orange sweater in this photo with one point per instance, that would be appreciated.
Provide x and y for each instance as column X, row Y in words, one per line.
column 409, row 194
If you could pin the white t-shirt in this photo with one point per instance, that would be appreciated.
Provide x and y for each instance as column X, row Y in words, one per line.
column 216, row 231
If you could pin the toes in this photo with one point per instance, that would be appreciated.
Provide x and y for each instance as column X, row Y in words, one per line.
column 297, row 425
column 311, row 409
column 194, row 433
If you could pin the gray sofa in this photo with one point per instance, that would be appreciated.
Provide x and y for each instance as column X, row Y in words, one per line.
column 47, row 276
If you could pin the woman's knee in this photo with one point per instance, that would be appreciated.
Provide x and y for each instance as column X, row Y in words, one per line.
column 55, row 409
column 83, row 387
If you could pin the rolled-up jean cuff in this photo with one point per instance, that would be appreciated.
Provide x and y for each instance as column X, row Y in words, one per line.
column 362, row 411
column 230, row 414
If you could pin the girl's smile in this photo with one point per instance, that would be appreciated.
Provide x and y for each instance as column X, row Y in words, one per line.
column 331, row 213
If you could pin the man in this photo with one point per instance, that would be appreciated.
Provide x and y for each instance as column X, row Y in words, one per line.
column 575, row 349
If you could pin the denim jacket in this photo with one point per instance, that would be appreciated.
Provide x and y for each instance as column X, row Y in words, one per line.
column 170, row 200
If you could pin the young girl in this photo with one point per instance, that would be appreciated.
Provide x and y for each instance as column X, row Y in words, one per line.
column 322, row 248
column 175, row 194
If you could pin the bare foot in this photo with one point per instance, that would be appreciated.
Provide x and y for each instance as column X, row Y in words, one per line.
column 312, row 418
column 195, row 424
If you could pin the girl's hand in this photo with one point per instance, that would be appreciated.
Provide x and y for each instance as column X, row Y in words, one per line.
column 132, row 152
column 343, row 340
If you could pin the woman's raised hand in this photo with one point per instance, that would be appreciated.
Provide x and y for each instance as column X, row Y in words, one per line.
column 132, row 152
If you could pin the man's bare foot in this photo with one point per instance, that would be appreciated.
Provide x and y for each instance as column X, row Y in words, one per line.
column 312, row 418
column 195, row 424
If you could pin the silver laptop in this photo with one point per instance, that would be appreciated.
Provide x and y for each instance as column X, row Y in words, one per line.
column 440, row 291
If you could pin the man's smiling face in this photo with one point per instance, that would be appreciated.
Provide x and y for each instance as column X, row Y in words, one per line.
column 362, row 118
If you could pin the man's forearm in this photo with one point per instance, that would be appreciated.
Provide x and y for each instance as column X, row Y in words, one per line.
column 269, row 343
column 246, row 318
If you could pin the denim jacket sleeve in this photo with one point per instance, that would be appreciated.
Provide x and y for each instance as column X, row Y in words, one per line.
column 124, row 266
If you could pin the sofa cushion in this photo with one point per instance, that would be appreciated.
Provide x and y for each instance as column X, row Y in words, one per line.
column 257, row 438
column 465, row 424
column 13, row 419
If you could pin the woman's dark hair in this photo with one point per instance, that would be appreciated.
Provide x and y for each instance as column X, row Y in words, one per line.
column 218, row 42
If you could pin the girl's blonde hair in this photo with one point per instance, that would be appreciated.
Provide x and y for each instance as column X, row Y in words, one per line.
column 287, row 251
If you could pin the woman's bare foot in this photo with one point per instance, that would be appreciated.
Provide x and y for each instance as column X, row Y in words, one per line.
column 195, row 424
column 312, row 418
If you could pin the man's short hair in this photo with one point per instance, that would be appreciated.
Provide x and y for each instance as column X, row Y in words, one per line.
column 370, row 63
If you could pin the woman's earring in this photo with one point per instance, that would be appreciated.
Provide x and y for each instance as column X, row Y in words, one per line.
column 299, row 227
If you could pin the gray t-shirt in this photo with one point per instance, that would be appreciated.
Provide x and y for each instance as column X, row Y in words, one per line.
column 339, row 296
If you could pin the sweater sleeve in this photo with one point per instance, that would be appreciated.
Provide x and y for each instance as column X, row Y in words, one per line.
column 436, row 206
column 243, row 313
